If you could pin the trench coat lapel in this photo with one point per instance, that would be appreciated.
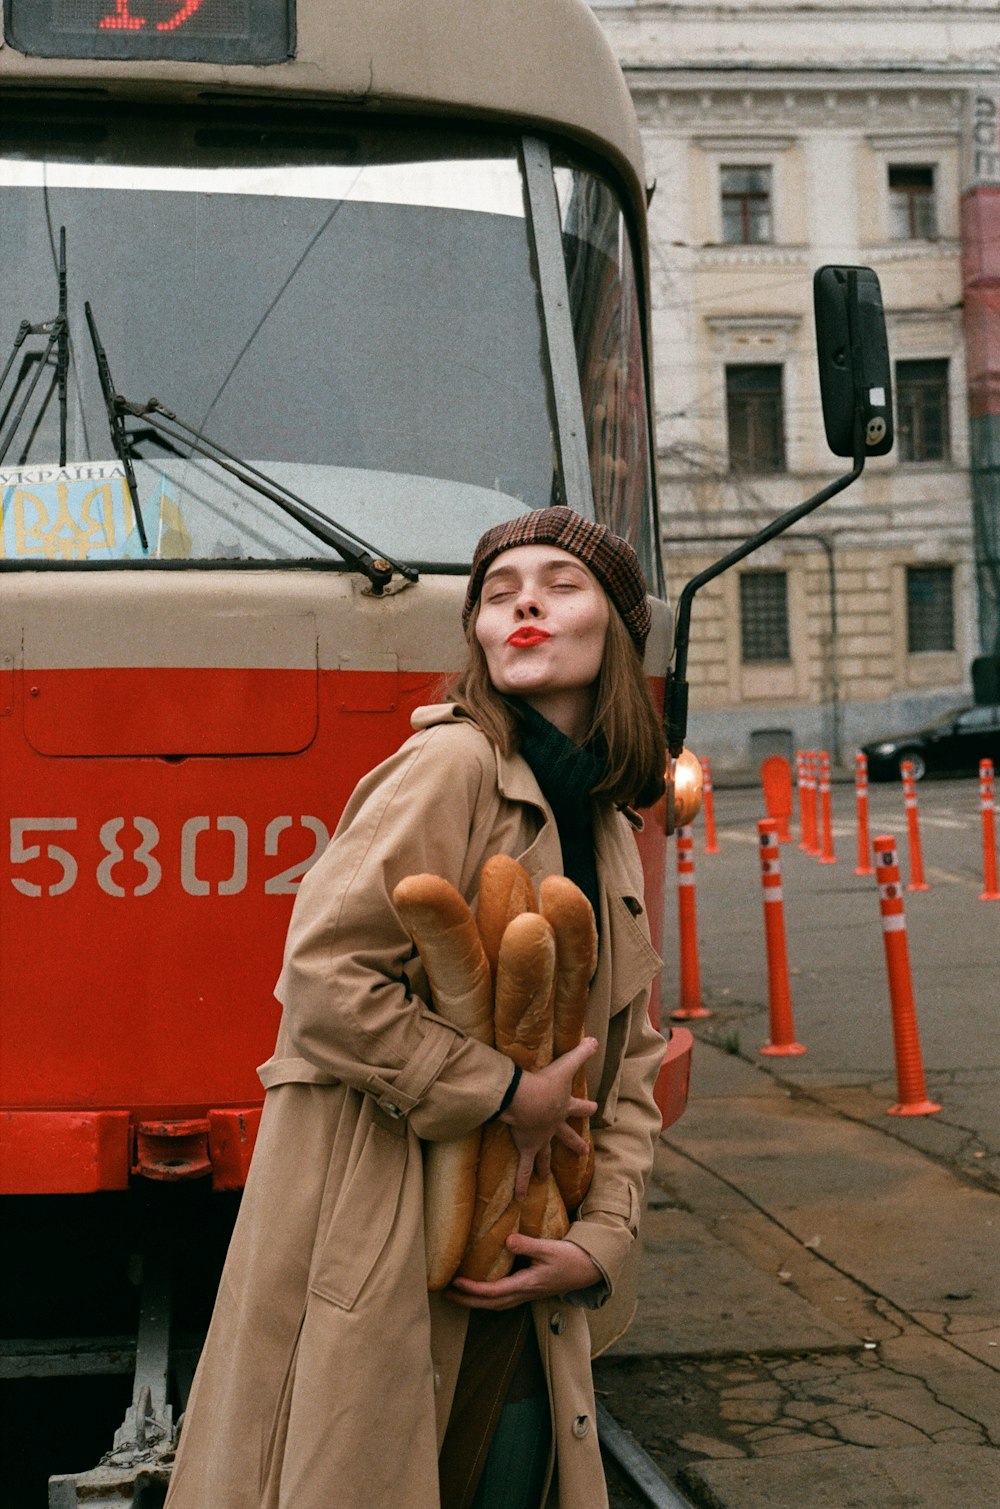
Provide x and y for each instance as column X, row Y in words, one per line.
column 517, row 783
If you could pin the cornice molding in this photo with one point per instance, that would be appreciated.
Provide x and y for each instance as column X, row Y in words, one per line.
column 739, row 143
column 944, row 250
column 917, row 138
column 735, row 334
column 885, row 114
column 752, row 255
column 938, row 320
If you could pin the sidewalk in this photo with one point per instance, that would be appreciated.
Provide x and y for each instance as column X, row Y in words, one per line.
column 819, row 1316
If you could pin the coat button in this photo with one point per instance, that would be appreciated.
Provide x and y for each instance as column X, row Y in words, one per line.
column 437, row 1381
column 581, row 1426
column 556, row 1323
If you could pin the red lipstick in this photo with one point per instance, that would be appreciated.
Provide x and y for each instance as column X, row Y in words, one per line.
column 526, row 636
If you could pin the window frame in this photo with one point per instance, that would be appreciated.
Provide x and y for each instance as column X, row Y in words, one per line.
column 912, row 392
column 914, row 198
column 744, row 197
column 926, row 625
column 775, row 463
column 757, row 575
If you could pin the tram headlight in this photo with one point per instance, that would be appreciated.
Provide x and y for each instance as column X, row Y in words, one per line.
column 684, row 789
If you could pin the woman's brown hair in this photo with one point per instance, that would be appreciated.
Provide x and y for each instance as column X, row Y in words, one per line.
column 625, row 720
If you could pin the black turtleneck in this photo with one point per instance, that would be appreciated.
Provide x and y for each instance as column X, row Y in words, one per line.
column 567, row 773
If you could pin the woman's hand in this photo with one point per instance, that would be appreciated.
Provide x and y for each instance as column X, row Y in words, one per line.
column 542, row 1102
column 553, row 1268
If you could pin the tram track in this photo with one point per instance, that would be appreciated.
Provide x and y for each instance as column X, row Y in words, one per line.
column 643, row 1480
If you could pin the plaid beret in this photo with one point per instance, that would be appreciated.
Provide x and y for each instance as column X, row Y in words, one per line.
column 609, row 557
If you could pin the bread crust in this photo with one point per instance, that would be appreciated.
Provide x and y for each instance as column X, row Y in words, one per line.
column 522, row 1013
column 543, row 1213
column 505, row 890
column 444, row 931
column 442, row 926
column 497, row 1212
column 565, row 906
column 449, row 1204
column 523, row 1026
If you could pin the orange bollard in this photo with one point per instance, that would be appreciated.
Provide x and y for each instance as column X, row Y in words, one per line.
column 708, row 806
column 826, row 854
column 863, row 867
column 778, row 994
column 690, row 974
column 916, row 881
column 910, row 1083
column 776, row 779
column 811, row 844
column 800, row 783
column 990, row 891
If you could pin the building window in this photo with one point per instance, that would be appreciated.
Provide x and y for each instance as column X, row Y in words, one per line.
column 746, row 206
column 764, row 616
column 930, row 609
column 922, row 411
column 754, row 419
column 911, row 204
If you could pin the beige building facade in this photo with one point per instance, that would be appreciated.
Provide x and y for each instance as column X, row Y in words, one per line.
column 781, row 140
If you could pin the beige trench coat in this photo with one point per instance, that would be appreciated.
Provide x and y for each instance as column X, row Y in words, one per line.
column 328, row 1372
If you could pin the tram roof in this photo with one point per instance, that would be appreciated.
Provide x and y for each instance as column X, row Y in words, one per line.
column 540, row 63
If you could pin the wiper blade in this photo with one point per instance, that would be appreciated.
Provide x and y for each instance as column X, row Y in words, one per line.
column 119, row 435
column 364, row 557
column 57, row 330
column 62, row 360
column 358, row 553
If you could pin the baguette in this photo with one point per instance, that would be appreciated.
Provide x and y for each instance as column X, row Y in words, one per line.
column 497, row 1213
column 443, row 928
column 543, row 1213
column 523, row 1026
column 505, row 890
column 522, row 1014
column 449, row 1204
column 564, row 905
column 444, row 932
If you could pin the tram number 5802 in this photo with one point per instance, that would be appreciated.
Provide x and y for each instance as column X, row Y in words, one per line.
column 133, row 842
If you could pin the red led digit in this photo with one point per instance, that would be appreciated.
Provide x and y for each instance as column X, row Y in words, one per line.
column 121, row 20
column 187, row 10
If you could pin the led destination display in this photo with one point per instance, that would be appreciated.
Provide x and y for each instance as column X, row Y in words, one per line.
column 195, row 31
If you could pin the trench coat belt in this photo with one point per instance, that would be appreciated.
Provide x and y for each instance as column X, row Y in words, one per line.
column 413, row 1081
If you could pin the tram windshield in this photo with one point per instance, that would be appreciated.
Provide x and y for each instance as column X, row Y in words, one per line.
column 352, row 310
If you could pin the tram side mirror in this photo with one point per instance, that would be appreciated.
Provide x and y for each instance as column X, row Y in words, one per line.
column 853, row 355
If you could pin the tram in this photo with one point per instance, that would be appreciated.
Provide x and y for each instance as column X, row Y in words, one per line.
column 300, row 297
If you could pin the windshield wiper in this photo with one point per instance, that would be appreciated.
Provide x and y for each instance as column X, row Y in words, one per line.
column 57, row 330
column 119, row 436
column 62, row 358
column 358, row 553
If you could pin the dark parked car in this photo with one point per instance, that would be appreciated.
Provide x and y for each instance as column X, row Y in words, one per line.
column 954, row 743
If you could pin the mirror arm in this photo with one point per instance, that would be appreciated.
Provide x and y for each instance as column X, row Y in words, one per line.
column 676, row 696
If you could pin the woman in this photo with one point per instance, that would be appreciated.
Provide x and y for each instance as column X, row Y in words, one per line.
column 330, row 1375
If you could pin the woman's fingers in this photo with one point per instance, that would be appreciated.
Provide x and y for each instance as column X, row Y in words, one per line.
column 543, row 1101
column 526, row 1163
column 572, row 1140
column 553, row 1267
column 576, row 1057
